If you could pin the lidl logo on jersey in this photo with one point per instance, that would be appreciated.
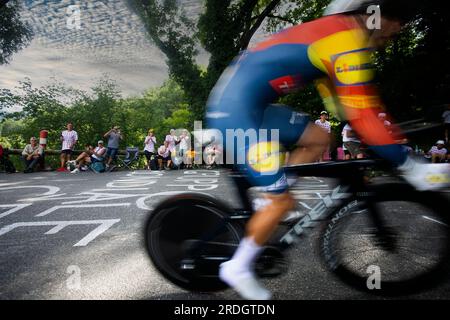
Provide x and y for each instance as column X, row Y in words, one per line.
column 353, row 67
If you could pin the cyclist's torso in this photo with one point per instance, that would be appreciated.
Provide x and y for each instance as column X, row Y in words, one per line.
column 332, row 47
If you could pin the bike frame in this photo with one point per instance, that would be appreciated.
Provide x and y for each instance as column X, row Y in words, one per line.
column 351, row 181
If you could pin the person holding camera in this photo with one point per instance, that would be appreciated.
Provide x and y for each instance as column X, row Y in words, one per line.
column 114, row 136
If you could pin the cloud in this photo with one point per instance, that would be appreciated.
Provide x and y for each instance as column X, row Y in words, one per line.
column 112, row 40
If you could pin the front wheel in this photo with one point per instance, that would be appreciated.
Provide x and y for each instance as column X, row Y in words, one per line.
column 395, row 242
column 176, row 235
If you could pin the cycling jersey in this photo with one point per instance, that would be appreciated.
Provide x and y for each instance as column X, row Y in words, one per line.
column 333, row 52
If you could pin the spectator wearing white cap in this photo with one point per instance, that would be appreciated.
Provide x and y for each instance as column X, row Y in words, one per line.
column 437, row 152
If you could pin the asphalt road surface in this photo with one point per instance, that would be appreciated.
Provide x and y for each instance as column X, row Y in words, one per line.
column 80, row 236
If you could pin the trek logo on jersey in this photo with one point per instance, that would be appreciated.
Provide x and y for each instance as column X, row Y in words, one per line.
column 354, row 67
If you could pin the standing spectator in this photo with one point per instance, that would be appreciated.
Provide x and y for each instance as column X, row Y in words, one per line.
column 172, row 140
column 114, row 136
column 351, row 143
column 32, row 155
column 446, row 116
column 91, row 155
column 69, row 139
column 185, row 143
column 438, row 153
column 164, row 155
column 325, row 125
column 149, row 148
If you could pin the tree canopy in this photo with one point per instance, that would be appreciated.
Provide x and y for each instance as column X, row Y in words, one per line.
column 14, row 33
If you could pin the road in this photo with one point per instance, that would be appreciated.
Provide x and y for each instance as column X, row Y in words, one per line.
column 66, row 236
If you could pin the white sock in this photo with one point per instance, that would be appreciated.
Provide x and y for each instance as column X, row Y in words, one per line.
column 246, row 253
column 238, row 272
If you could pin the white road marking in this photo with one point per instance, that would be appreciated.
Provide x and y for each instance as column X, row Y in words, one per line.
column 59, row 225
column 140, row 203
column 106, row 205
column 15, row 207
column 51, row 189
column 434, row 220
column 92, row 197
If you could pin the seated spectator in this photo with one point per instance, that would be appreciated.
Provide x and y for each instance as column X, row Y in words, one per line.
column 164, row 155
column 89, row 156
column 189, row 159
column 4, row 160
column 352, row 143
column 32, row 155
column 438, row 153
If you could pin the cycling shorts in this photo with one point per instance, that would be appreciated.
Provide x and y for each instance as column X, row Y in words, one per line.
column 254, row 138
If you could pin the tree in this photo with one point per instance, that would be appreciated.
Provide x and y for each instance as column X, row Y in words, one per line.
column 224, row 29
column 14, row 33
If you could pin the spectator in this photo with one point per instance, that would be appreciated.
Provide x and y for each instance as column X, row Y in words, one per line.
column 32, row 155
column 149, row 149
column 114, row 136
column 4, row 160
column 172, row 140
column 184, row 142
column 438, row 153
column 91, row 155
column 351, row 143
column 212, row 151
column 69, row 139
column 382, row 118
column 325, row 125
column 189, row 158
column 347, row 155
column 164, row 156
column 446, row 116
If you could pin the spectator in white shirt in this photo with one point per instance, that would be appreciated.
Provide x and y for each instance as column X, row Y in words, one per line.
column 69, row 139
column 438, row 153
column 172, row 140
column 91, row 155
column 351, row 142
column 325, row 125
column 185, row 143
column 149, row 148
column 164, row 155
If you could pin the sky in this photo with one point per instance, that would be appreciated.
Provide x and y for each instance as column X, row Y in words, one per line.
column 111, row 40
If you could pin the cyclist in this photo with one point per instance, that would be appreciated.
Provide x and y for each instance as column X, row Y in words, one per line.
column 334, row 52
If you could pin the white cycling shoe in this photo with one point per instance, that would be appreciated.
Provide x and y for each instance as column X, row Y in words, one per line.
column 426, row 176
column 244, row 283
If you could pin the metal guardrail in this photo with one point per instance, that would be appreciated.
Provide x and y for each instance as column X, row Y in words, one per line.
column 58, row 152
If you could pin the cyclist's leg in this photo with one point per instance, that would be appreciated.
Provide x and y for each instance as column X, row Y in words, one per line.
column 264, row 171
